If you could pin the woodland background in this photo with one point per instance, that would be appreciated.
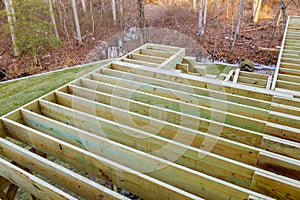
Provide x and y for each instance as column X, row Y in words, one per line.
column 228, row 30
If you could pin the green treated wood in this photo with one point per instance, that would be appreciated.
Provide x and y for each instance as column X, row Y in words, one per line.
column 146, row 58
column 192, row 80
column 150, row 165
column 184, row 96
column 290, row 78
column 30, row 183
column 60, row 175
column 155, row 53
column 220, row 146
column 182, row 106
column 222, row 95
column 185, row 120
column 138, row 62
column 119, row 175
column 226, row 169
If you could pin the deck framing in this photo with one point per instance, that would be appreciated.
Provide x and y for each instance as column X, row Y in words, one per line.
column 143, row 126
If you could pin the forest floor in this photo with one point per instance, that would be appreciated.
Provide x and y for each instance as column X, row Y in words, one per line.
column 216, row 41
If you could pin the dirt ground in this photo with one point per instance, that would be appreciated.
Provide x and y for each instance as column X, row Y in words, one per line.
column 216, row 40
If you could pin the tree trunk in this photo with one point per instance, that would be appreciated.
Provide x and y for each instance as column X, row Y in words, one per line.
column 238, row 23
column 11, row 21
column 101, row 9
column 194, row 6
column 256, row 10
column 79, row 38
column 83, row 5
column 114, row 13
column 141, row 13
column 200, row 19
column 217, row 32
column 53, row 18
column 64, row 18
column 92, row 16
column 204, row 15
column 121, row 7
column 283, row 7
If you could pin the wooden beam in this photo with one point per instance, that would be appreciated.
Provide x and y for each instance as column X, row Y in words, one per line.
column 12, row 192
column 289, row 71
column 208, row 92
column 290, row 78
column 199, row 82
column 171, row 62
column 3, row 196
column 195, row 99
column 4, row 183
column 119, row 175
column 30, row 183
column 272, row 117
column 229, row 75
column 261, row 183
column 236, row 75
column 238, row 151
column 279, row 57
column 269, row 83
column 146, row 58
column 138, row 62
column 159, row 47
column 288, row 85
column 58, row 174
column 188, row 158
column 156, row 53
column 254, row 75
column 290, row 65
column 290, row 148
column 252, row 81
column 204, row 125
column 290, row 166
column 151, row 165
column 216, row 114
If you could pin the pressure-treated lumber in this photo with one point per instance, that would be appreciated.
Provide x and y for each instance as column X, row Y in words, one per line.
column 77, row 116
column 78, row 138
column 96, row 165
column 54, row 172
column 30, row 183
column 156, row 131
column 288, row 65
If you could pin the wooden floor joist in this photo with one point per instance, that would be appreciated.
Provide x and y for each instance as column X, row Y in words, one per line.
column 288, row 65
column 157, row 133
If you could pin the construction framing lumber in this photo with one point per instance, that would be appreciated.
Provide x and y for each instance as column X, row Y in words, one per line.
column 146, row 124
column 30, row 183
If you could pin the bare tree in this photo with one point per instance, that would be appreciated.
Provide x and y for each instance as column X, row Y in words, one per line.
column 53, row 18
column 200, row 19
column 141, row 13
column 79, row 38
column 121, row 7
column 92, row 15
column 11, row 21
column 83, row 5
column 205, row 13
column 101, row 9
column 194, row 6
column 283, row 8
column 238, row 23
column 256, row 5
column 114, row 12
